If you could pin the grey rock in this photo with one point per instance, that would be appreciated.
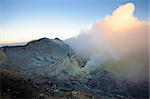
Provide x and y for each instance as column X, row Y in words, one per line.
column 45, row 56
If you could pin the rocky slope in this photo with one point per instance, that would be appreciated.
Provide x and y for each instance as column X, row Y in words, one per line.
column 43, row 57
column 49, row 68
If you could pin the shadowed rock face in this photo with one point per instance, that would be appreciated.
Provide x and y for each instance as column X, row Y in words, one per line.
column 2, row 55
column 44, row 57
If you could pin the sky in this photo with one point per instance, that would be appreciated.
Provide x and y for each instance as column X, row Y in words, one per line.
column 25, row 20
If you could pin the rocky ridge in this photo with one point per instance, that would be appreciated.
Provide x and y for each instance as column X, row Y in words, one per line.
column 43, row 57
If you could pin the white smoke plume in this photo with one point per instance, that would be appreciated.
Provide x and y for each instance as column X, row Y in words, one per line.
column 119, row 40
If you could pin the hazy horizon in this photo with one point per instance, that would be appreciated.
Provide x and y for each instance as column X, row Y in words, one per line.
column 26, row 20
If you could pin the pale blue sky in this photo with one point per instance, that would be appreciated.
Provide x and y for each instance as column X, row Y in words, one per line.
column 26, row 18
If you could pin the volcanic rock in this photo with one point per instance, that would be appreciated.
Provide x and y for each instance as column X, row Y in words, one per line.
column 43, row 57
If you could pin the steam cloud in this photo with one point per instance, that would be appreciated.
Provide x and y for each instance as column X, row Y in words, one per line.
column 120, row 40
